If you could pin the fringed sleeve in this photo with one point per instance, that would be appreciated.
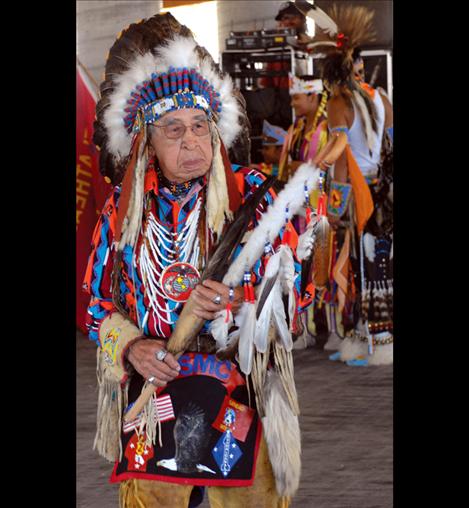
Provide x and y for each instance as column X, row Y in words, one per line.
column 111, row 331
column 98, row 275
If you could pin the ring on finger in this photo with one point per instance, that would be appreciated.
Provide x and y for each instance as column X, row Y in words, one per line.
column 152, row 380
column 217, row 300
column 161, row 354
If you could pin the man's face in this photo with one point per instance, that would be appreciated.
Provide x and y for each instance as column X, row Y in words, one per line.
column 303, row 103
column 189, row 156
column 291, row 21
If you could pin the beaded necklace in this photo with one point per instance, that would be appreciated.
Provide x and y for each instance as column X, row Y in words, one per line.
column 160, row 248
column 178, row 190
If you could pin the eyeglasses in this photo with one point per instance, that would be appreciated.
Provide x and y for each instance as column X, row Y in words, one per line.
column 177, row 130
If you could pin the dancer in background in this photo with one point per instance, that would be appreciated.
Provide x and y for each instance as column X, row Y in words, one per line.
column 273, row 138
column 359, row 158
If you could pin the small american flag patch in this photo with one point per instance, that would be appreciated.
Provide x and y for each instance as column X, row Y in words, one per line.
column 164, row 408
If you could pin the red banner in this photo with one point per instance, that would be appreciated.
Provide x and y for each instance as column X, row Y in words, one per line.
column 91, row 189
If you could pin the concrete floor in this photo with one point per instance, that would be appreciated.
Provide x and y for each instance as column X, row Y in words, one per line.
column 346, row 425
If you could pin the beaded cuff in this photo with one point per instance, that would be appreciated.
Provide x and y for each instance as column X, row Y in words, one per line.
column 339, row 197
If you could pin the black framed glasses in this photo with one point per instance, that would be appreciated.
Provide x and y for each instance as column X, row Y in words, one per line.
column 176, row 130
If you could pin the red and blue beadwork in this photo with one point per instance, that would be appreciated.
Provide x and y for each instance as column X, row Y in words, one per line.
column 185, row 87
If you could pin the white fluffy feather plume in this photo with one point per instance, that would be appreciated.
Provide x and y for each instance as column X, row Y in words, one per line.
column 306, row 240
column 282, row 435
column 383, row 355
column 273, row 220
column 179, row 52
column 219, row 328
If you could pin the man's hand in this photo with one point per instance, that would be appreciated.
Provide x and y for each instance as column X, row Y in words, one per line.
column 204, row 294
column 141, row 355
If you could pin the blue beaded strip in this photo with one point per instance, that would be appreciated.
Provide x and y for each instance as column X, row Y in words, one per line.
column 176, row 89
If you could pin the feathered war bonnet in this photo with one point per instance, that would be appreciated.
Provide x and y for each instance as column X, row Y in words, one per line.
column 341, row 31
column 154, row 67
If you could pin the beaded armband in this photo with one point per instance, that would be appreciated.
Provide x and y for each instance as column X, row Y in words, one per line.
column 339, row 198
column 340, row 128
column 115, row 334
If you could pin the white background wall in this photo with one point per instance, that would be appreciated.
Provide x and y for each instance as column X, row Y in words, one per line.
column 98, row 24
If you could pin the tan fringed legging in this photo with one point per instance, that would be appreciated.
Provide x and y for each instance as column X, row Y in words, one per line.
column 154, row 494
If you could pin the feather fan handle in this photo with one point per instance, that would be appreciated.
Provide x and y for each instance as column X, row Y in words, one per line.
column 292, row 196
column 322, row 20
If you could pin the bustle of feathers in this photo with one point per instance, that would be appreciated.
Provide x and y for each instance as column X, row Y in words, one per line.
column 142, row 48
column 355, row 22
